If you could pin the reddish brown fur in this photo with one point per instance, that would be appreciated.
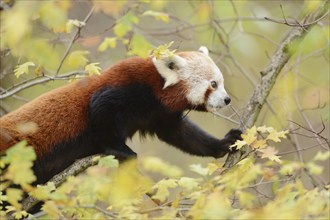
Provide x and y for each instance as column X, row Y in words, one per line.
column 62, row 113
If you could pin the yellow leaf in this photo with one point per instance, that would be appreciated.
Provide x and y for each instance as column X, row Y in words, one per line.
column 163, row 187
column 23, row 69
column 155, row 164
column 40, row 193
column 51, row 209
column 259, row 144
column 14, row 196
column 93, row 69
column 157, row 15
column 188, row 183
column 20, row 214
column 163, row 51
column 21, row 173
column 250, row 136
column 108, row 42
column 19, row 152
column 127, row 185
column 214, row 166
column 238, row 144
column 264, row 129
column 276, row 135
column 78, row 58
column 270, row 153
column 21, row 159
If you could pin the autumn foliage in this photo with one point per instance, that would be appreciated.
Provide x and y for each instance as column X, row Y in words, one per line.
column 45, row 44
column 113, row 191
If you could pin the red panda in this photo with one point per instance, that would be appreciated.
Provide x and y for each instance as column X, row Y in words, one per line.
column 97, row 114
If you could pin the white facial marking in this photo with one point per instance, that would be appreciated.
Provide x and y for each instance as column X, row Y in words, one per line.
column 196, row 70
column 198, row 75
column 171, row 76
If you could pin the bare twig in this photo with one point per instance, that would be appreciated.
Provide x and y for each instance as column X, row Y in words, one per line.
column 225, row 117
column 294, row 22
column 72, row 41
column 38, row 80
column 295, row 151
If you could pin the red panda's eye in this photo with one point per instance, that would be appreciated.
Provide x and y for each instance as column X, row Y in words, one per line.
column 214, row 84
column 171, row 65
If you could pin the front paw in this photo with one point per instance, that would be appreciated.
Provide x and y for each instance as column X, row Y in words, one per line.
column 231, row 137
column 234, row 134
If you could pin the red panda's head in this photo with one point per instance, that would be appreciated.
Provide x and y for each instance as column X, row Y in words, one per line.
column 202, row 79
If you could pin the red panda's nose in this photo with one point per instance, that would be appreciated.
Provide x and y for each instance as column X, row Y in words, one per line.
column 227, row 100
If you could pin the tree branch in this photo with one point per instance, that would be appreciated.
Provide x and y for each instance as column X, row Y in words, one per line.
column 270, row 73
column 73, row 170
column 38, row 80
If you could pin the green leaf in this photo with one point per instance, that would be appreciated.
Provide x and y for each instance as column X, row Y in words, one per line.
column 23, row 69
column 107, row 42
column 108, row 161
column 15, row 25
column 140, row 46
column 52, row 16
column 121, row 29
column 314, row 168
column 124, row 24
column 322, row 156
column 157, row 15
column 93, row 69
column 78, row 58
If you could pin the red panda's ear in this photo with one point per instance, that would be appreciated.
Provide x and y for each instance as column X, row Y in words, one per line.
column 168, row 68
column 204, row 50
